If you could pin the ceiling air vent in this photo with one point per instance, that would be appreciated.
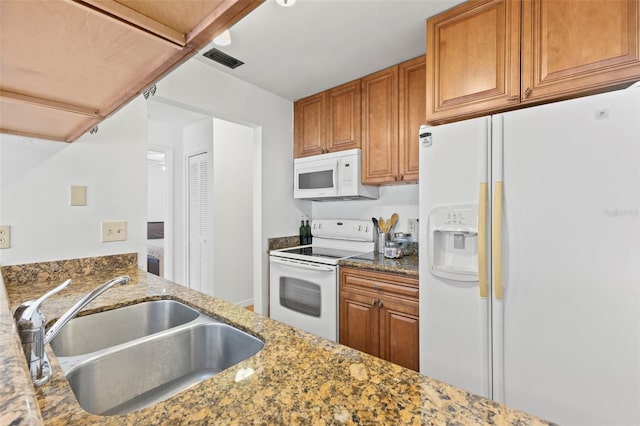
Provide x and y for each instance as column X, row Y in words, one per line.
column 222, row 58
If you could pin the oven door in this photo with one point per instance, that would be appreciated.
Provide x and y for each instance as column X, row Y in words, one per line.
column 304, row 295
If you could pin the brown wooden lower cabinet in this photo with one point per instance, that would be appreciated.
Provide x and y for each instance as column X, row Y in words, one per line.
column 379, row 315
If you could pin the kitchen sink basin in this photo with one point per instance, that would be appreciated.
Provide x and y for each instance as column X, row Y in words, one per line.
column 145, row 372
column 94, row 332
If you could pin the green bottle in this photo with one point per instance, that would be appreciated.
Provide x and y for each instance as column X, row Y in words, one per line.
column 303, row 231
column 307, row 233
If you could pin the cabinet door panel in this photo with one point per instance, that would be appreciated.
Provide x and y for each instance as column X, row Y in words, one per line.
column 359, row 322
column 412, row 113
column 380, row 127
column 573, row 47
column 344, row 117
column 473, row 61
column 309, row 125
column 399, row 333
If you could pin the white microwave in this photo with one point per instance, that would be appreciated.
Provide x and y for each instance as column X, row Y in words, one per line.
column 334, row 176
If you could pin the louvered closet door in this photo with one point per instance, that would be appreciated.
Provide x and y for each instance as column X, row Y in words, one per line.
column 198, row 221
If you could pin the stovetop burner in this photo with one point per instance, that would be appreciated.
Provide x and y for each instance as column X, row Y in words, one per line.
column 329, row 253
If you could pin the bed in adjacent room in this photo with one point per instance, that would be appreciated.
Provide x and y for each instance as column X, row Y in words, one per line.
column 155, row 248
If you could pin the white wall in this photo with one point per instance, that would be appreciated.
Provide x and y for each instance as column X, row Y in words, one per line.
column 35, row 176
column 400, row 199
column 233, row 151
column 226, row 97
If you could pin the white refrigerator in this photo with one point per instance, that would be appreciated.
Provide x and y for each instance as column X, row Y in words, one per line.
column 530, row 258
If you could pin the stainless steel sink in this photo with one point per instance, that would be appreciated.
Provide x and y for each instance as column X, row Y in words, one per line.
column 91, row 333
column 129, row 358
column 153, row 370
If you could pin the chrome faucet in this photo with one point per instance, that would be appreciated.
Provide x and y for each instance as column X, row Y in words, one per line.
column 31, row 327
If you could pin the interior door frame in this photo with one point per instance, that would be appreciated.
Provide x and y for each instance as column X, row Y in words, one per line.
column 169, row 222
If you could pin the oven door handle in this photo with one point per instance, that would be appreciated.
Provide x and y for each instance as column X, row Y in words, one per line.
column 303, row 265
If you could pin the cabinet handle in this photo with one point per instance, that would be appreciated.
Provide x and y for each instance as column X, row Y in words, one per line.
column 401, row 177
column 373, row 303
column 512, row 98
column 376, row 287
column 379, row 303
column 528, row 92
column 395, row 178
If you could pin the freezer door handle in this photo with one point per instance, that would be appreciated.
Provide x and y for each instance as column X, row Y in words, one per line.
column 482, row 241
column 496, row 241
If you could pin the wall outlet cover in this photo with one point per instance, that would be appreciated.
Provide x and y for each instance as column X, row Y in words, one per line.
column 5, row 236
column 114, row 231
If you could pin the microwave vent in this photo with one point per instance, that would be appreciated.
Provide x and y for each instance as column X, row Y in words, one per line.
column 222, row 58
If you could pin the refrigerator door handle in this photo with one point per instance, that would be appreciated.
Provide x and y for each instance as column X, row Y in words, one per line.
column 482, row 241
column 496, row 241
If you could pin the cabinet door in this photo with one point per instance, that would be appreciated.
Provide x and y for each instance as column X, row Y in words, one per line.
column 412, row 113
column 359, row 322
column 344, row 117
column 574, row 47
column 473, row 60
column 399, row 333
column 309, row 125
column 380, row 127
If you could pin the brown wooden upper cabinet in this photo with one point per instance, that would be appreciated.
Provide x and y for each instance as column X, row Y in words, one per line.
column 487, row 56
column 380, row 127
column 309, row 128
column 328, row 121
column 412, row 112
column 393, row 108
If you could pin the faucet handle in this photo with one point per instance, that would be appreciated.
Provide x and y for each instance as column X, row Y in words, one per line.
column 26, row 311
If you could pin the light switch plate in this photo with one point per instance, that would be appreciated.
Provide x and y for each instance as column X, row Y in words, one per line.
column 114, row 231
column 78, row 195
column 5, row 236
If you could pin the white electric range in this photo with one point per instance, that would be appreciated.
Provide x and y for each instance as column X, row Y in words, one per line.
column 303, row 280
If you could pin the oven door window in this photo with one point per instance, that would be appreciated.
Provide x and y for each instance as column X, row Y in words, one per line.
column 300, row 296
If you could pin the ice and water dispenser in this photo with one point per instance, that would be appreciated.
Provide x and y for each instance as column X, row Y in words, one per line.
column 453, row 242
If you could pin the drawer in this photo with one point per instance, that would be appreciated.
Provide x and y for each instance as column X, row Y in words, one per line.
column 383, row 283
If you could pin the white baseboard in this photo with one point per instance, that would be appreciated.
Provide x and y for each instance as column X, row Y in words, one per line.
column 244, row 303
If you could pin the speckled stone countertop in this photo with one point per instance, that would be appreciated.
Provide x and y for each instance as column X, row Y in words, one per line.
column 298, row 378
column 406, row 265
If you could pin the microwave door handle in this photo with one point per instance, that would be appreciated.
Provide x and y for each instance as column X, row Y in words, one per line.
column 309, row 266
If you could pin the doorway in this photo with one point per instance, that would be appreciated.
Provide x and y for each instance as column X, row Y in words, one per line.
column 159, row 213
column 232, row 153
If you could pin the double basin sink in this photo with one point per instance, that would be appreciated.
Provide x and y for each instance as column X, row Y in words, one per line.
column 133, row 357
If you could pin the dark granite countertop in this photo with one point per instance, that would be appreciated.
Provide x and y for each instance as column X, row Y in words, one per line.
column 406, row 265
column 298, row 378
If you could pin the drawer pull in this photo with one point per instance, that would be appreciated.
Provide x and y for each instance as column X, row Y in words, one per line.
column 373, row 303
column 379, row 303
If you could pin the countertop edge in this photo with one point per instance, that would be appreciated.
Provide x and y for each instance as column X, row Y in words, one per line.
column 18, row 400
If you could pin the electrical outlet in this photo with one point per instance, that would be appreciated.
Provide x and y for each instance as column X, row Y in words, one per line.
column 5, row 236
column 412, row 228
column 114, row 231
